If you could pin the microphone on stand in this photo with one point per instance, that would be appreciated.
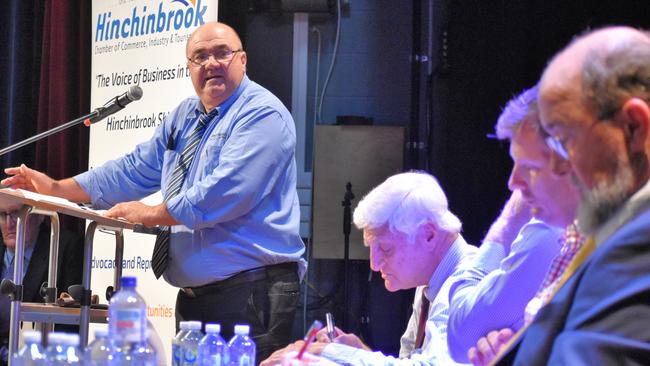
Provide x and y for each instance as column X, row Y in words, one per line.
column 115, row 104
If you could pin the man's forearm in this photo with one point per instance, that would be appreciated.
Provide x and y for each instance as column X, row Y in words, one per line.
column 69, row 189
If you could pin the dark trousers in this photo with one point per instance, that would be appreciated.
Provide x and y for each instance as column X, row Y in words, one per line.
column 267, row 305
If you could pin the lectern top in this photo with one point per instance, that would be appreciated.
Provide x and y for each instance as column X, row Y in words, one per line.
column 60, row 205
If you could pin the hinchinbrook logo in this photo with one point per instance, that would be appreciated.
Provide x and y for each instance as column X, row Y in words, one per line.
column 143, row 21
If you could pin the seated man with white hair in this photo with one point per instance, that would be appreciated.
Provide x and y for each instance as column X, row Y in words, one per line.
column 414, row 241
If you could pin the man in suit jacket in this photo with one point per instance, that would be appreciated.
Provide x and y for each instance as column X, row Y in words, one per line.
column 37, row 251
column 595, row 105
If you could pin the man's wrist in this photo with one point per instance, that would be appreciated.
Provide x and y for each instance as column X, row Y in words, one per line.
column 162, row 216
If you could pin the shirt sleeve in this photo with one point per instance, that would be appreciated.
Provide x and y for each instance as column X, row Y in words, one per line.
column 433, row 351
column 131, row 177
column 255, row 155
column 346, row 355
column 483, row 298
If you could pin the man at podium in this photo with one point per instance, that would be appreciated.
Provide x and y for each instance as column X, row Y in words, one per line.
column 36, row 262
column 225, row 163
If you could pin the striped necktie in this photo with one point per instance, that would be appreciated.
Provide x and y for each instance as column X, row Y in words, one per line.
column 159, row 258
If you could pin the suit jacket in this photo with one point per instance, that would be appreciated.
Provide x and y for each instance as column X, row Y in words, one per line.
column 601, row 316
column 70, row 263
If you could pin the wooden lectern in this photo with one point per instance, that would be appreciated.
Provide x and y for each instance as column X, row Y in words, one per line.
column 49, row 313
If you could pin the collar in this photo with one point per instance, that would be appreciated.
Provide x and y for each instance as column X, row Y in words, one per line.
column 223, row 107
column 9, row 254
column 455, row 254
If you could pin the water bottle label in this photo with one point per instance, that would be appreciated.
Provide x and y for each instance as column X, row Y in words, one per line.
column 128, row 325
column 189, row 356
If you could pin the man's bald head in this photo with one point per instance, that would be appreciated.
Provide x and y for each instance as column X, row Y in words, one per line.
column 216, row 61
column 594, row 101
column 223, row 28
column 599, row 66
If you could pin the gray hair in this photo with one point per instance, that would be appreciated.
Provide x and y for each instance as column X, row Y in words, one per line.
column 613, row 74
column 404, row 202
column 517, row 110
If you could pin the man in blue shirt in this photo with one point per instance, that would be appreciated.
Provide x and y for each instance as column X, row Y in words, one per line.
column 508, row 270
column 225, row 163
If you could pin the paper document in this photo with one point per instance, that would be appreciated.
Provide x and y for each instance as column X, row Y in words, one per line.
column 58, row 200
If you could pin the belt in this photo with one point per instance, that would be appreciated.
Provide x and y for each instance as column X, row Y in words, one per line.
column 244, row 277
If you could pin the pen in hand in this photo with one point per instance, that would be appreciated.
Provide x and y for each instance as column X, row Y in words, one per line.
column 310, row 336
column 330, row 326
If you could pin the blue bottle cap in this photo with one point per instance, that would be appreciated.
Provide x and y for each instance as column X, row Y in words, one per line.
column 129, row 281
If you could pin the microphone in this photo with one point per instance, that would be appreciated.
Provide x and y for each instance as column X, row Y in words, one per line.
column 115, row 104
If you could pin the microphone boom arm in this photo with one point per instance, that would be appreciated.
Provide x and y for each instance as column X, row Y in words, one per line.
column 47, row 133
column 113, row 105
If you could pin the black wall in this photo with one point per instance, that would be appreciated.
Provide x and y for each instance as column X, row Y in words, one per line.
column 495, row 50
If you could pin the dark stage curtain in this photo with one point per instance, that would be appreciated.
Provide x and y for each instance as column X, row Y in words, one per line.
column 45, row 67
column 21, row 27
column 64, row 86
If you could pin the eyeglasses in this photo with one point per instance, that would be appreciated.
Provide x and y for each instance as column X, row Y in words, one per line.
column 13, row 216
column 220, row 55
column 556, row 145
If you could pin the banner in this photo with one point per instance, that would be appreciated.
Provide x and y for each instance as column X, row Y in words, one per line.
column 139, row 42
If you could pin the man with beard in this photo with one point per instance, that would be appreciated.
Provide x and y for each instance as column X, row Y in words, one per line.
column 595, row 104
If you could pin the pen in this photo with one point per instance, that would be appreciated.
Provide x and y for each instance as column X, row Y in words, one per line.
column 310, row 336
column 330, row 326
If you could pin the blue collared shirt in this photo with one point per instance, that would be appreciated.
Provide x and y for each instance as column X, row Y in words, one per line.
column 238, row 207
column 9, row 259
column 492, row 293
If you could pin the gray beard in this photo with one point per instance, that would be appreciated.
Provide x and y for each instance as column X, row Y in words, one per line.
column 601, row 202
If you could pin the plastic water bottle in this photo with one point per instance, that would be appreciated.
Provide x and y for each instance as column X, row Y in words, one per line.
column 127, row 327
column 98, row 351
column 71, row 345
column 31, row 354
column 55, row 354
column 143, row 354
column 213, row 350
column 190, row 344
column 177, row 350
column 242, row 347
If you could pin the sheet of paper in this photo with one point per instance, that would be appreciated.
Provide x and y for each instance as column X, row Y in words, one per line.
column 58, row 200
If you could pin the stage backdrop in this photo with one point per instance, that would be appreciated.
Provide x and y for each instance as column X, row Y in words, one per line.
column 139, row 42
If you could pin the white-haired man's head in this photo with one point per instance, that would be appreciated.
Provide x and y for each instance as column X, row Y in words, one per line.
column 405, row 201
column 408, row 227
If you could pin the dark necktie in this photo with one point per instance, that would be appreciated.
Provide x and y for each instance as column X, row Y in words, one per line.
column 159, row 258
column 422, row 321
